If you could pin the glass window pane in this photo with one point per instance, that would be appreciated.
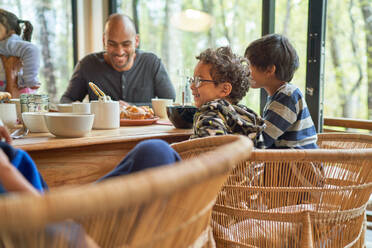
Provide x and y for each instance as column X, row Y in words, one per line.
column 346, row 77
column 236, row 23
column 291, row 20
column 52, row 33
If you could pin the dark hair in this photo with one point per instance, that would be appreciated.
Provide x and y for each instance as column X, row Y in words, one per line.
column 228, row 67
column 274, row 49
column 12, row 23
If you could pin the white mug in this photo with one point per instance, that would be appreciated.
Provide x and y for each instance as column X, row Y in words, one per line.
column 81, row 107
column 17, row 102
column 159, row 106
column 8, row 114
column 107, row 114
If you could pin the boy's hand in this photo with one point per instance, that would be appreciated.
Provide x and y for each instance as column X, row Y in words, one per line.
column 4, row 133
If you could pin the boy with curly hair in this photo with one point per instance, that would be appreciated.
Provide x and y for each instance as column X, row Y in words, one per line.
column 273, row 62
column 220, row 81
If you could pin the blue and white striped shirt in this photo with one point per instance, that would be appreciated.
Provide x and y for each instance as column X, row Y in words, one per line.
column 288, row 121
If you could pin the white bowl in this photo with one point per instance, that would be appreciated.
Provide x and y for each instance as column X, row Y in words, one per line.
column 65, row 107
column 69, row 124
column 35, row 122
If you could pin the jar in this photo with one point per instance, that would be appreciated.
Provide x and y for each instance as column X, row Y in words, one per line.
column 34, row 103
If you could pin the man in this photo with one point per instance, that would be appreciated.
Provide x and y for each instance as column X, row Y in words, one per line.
column 122, row 71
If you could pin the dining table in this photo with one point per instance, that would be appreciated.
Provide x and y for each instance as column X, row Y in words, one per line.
column 71, row 161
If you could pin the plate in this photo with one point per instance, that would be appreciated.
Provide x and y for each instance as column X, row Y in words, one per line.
column 142, row 122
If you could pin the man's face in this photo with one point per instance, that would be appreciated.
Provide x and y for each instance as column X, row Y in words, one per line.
column 120, row 44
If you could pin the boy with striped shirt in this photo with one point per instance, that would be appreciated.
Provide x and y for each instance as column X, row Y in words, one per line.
column 273, row 61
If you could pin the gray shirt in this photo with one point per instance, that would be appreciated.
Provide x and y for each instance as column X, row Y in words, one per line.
column 30, row 56
column 146, row 79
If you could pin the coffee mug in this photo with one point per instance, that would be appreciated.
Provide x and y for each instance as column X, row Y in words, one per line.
column 81, row 107
column 8, row 114
column 159, row 106
column 107, row 114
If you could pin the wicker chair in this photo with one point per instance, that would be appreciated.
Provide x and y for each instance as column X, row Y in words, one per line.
column 295, row 198
column 12, row 66
column 344, row 141
column 167, row 206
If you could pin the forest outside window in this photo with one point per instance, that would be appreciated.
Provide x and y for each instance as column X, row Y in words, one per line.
column 52, row 33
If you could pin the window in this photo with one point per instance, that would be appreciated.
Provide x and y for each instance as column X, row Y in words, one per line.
column 52, row 33
column 291, row 20
column 346, row 70
column 236, row 23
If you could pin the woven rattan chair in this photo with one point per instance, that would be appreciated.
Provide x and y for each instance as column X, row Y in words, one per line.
column 295, row 198
column 167, row 206
column 344, row 141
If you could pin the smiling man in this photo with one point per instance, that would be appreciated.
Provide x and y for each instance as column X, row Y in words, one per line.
column 122, row 71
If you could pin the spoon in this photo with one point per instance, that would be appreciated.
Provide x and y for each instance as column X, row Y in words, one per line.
column 19, row 133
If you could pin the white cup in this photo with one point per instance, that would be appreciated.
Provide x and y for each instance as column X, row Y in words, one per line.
column 107, row 114
column 81, row 107
column 65, row 107
column 8, row 114
column 159, row 106
column 18, row 108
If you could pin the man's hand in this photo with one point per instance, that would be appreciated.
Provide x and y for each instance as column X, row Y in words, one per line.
column 123, row 104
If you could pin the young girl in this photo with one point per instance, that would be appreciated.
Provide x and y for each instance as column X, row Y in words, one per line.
column 220, row 81
column 11, row 44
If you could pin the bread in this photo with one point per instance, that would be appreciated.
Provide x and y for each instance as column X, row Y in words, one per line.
column 5, row 96
column 136, row 113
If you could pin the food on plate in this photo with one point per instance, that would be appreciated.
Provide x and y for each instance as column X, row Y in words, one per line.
column 5, row 97
column 136, row 113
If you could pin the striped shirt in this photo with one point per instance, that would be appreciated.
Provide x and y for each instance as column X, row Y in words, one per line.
column 288, row 121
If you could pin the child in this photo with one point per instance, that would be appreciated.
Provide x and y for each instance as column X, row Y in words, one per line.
column 11, row 44
column 220, row 81
column 273, row 61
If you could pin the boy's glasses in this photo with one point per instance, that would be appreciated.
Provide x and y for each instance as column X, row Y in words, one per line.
column 197, row 81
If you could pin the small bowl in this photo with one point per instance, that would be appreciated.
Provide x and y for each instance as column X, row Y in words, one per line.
column 181, row 116
column 69, row 124
column 35, row 122
column 64, row 107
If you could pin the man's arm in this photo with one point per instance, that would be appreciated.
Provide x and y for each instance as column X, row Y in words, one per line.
column 163, row 86
column 76, row 90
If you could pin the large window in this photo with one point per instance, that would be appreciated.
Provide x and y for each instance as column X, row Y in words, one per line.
column 236, row 23
column 53, row 35
column 347, row 53
column 291, row 20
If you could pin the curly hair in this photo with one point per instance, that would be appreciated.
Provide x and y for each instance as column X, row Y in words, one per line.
column 12, row 23
column 228, row 67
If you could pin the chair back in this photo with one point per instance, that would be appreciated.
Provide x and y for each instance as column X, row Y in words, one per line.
column 344, row 141
column 295, row 198
column 12, row 65
column 167, row 206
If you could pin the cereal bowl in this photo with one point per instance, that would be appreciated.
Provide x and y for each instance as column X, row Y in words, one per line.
column 69, row 124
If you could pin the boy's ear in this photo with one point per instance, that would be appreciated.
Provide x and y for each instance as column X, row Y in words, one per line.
column 271, row 69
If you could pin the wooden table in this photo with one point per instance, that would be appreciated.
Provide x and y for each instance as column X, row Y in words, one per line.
column 69, row 161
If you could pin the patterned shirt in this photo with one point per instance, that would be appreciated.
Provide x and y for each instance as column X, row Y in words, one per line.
column 219, row 117
column 288, row 121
